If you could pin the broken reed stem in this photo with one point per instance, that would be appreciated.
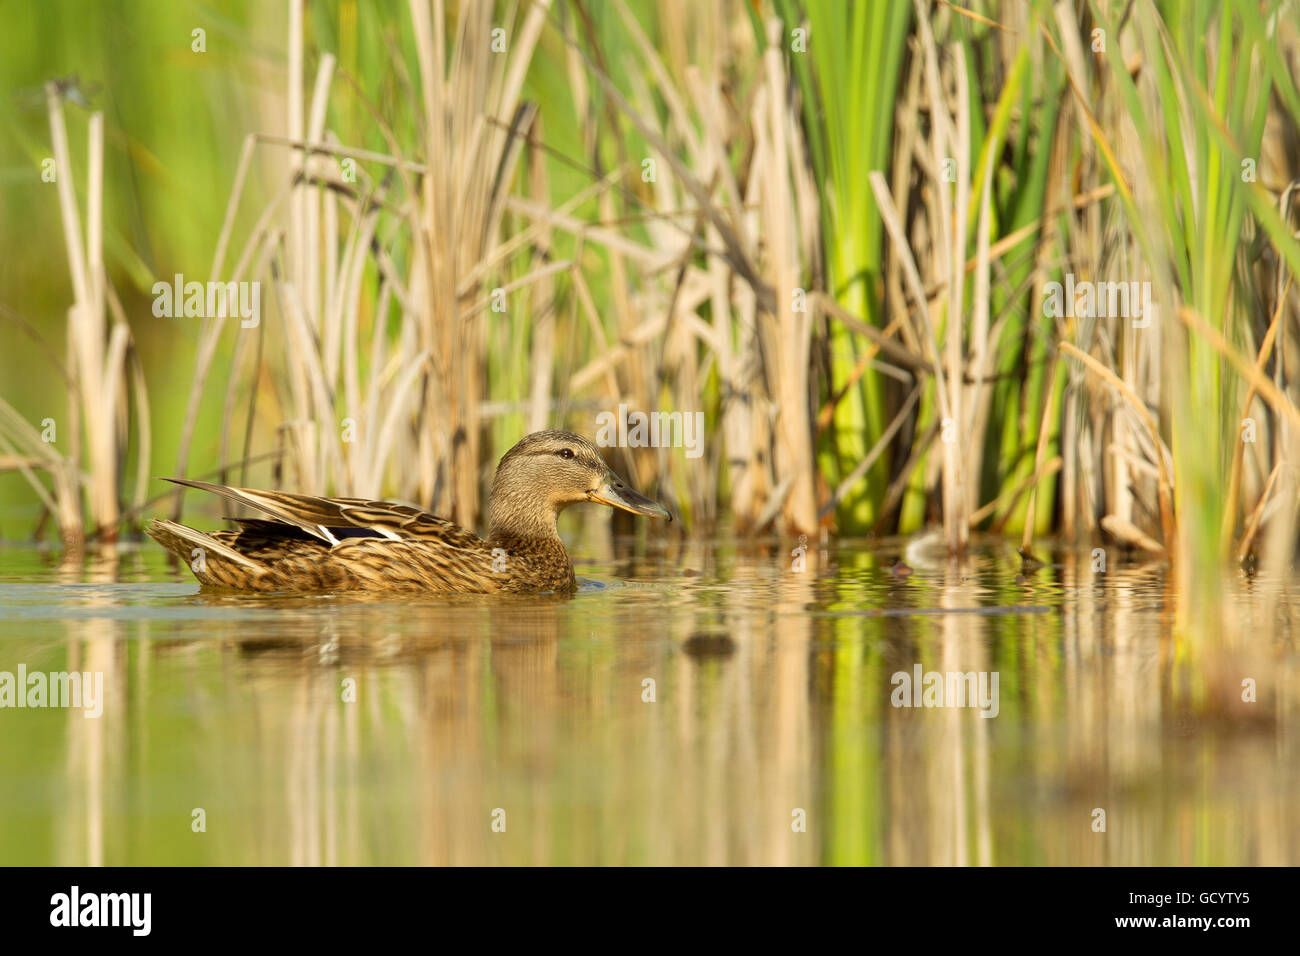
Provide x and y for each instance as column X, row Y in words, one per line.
column 1044, row 430
column 1255, row 376
column 1239, row 449
column 1006, row 502
column 1252, row 526
column 877, row 450
column 1163, row 483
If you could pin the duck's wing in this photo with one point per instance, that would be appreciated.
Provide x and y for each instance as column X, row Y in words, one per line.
column 331, row 519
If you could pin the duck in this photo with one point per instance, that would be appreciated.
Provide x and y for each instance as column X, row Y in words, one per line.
column 309, row 543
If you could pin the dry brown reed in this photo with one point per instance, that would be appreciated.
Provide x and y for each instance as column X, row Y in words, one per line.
column 105, row 382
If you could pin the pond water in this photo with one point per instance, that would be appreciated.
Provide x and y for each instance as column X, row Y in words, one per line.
column 703, row 705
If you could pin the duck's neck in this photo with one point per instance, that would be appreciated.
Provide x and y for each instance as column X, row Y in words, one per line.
column 516, row 528
column 521, row 521
column 544, row 558
column 531, row 535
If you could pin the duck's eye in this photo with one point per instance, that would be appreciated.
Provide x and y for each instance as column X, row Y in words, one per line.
column 565, row 453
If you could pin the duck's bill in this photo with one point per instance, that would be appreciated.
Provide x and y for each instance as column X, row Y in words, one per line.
column 628, row 500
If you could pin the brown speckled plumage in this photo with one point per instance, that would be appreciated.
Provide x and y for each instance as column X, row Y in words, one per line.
column 307, row 543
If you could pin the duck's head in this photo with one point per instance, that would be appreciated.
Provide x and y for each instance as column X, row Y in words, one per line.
column 548, row 471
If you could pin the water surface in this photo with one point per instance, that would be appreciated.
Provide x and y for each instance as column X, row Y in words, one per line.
column 705, row 705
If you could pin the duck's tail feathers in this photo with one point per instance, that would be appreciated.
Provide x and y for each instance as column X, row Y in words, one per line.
column 197, row 549
column 311, row 514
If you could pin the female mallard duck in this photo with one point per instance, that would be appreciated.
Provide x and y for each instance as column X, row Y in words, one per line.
column 329, row 544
